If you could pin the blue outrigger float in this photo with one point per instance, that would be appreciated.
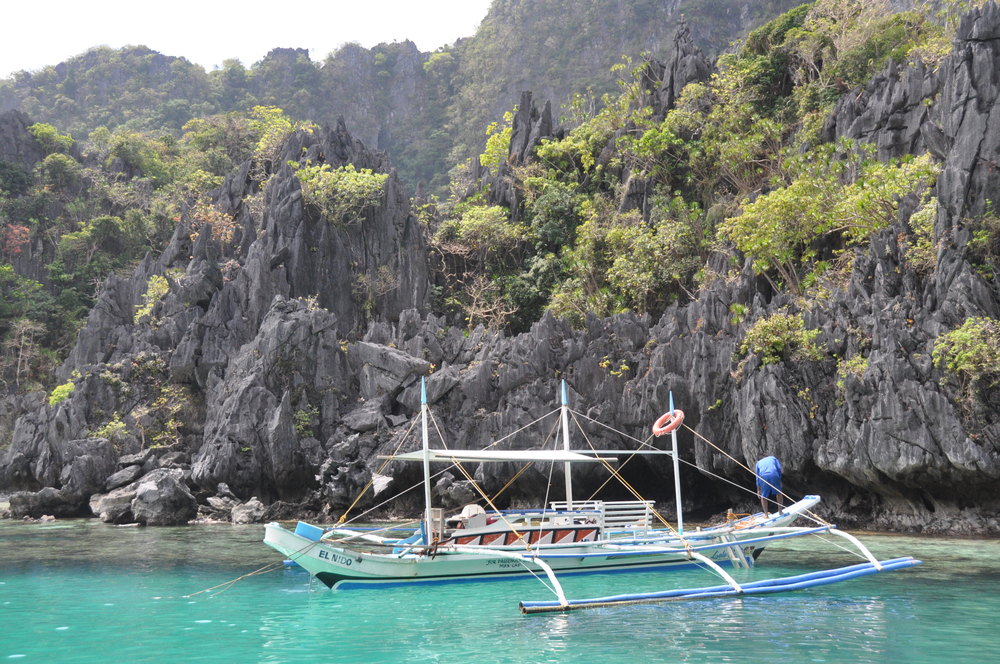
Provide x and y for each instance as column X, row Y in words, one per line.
column 568, row 537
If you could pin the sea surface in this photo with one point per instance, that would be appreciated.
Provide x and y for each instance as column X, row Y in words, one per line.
column 83, row 591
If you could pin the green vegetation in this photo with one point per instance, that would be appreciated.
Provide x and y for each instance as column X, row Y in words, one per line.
column 61, row 392
column 971, row 354
column 340, row 194
column 272, row 127
column 780, row 337
column 560, row 49
column 166, row 408
column 156, row 288
column 114, row 429
column 984, row 246
column 624, row 210
column 497, row 143
column 303, row 420
column 830, row 190
column 921, row 250
column 481, row 252
column 95, row 207
column 50, row 139
column 483, row 232
column 852, row 367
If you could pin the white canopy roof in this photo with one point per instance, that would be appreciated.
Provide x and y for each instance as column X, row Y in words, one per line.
column 452, row 456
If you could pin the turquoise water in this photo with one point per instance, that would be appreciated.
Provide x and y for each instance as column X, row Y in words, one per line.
column 82, row 591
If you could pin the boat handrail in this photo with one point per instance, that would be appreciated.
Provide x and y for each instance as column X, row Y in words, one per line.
column 545, row 512
column 630, row 515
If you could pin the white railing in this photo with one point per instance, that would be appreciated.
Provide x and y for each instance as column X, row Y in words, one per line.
column 615, row 514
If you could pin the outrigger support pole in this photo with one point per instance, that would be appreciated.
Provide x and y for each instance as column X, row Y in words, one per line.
column 861, row 547
column 718, row 570
column 556, row 586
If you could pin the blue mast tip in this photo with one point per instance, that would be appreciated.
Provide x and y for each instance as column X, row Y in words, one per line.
column 671, row 401
column 423, row 391
column 565, row 399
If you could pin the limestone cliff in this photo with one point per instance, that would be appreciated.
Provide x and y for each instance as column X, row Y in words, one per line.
column 291, row 381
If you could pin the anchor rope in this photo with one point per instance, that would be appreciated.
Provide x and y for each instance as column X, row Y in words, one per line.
column 270, row 567
column 645, row 444
column 229, row 584
column 808, row 513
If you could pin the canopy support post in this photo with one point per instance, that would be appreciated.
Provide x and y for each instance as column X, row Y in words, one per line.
column 677, row 473
column 565, row 431
column 428, row 515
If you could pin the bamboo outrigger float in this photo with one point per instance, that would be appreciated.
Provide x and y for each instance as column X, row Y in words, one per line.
column 568, row 537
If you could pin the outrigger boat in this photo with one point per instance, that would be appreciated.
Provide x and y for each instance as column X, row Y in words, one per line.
column 567, row 537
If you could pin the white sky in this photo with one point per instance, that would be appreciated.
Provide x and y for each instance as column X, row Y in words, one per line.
column 206, row 32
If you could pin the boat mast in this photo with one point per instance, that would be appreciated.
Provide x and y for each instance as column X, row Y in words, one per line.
column 427, row 462
column 565, row 431
column 677, row 472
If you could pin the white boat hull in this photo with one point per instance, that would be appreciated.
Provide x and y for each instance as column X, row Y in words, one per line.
column 339, row 566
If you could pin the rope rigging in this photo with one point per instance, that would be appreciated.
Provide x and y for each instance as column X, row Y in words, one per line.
column 614, row 473
column 526, row 527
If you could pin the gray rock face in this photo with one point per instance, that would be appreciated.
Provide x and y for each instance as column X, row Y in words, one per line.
column 252, row 511
column 890, row 112
column 48, row 501
column 967, row 116
column 664, row 81
column 160, row 498
column 299, row 383
column 124, row 476
column 257, row 327
column 17, row 145
column 75, row 469
column 114, row 506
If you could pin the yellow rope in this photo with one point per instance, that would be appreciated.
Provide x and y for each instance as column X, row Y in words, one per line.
column 494, row 444
column 228, row 584
column 270, row 567
column 818, row 518
column 625, row 483
column 402, row 439
column 489, row 502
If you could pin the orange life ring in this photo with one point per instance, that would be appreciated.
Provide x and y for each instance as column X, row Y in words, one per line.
column 668, row 422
